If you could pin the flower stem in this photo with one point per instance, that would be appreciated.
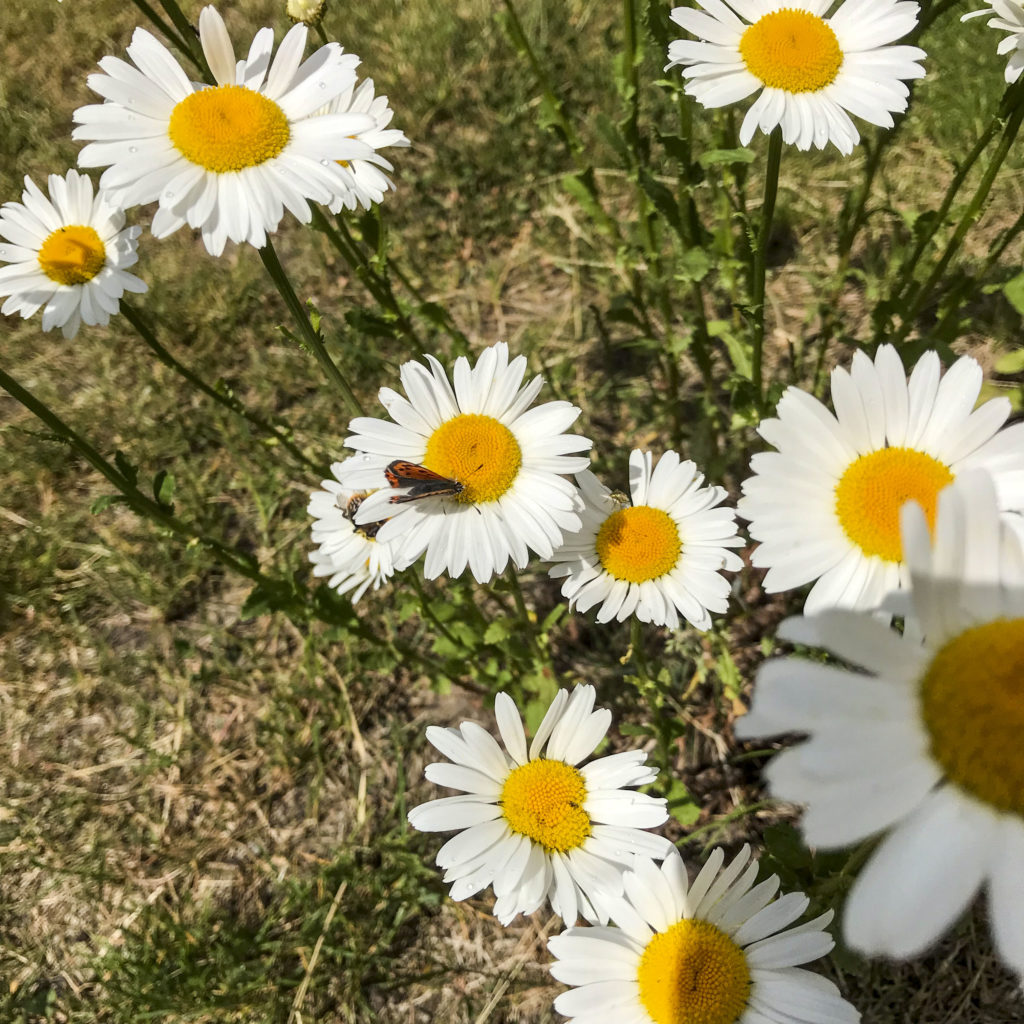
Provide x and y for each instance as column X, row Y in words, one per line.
column 771, row 188
column 310, row 336
column 1010, row 116
column 636, row 643
column 225, row 399
column 136, row 500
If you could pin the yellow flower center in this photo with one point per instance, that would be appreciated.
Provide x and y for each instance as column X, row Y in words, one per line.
column 228, row 128
column 693, row 974
column 72, row 255
column 972, row 704
column 792, row 50
column 875, row 487
column 543, row 800
column 478, row 451
column 638, row 543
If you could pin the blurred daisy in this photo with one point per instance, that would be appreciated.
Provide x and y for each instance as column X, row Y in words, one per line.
column 1007, row 16
column 68, row 254
column 504, row 453
column 532, row 823
column 920, row 739
column 720, row 951
column 350, row 556
column 657, row 557
column 227, row 159
column 812, row 71
column 365, row 178
column 825, row 506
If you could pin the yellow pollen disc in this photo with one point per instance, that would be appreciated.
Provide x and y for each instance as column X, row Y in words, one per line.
column 478, row 451
column 228, row 128
column 638, row 543
column 543, row 800
column 693, row 974
column 875, row 487
column 972, row 704
column 72, row 255
column 792, row 50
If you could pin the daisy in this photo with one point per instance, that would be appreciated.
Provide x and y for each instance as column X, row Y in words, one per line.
column 365, row 180
column 227, row 159
column 1007, row 15
column 657, row 557
column 921, row 739
column 351, row 556
column 719, row 951
column 812, row 71
column 68, row 254
column 502, row 454
column 825, row 506
column 533, row 823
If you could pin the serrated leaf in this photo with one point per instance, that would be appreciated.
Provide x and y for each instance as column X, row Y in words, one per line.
column 739, row 354
column 665, row 201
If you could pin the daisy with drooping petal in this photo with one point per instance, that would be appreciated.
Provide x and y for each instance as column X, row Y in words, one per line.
column 813, row 71
column 922, row 740
column 537, row 824
column 719, row 951
column 1007, row 16
column 658, row 557
column 505, row 453
column 350, row 556
column 68, row 254
column 227, row 159
column 365, row 177
column 825, row 505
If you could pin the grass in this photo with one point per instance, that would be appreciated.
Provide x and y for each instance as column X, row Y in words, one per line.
column 202, row 814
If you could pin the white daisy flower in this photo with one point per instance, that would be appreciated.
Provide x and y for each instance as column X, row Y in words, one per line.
column 658, row 557
column 350, row 556
column 719, row 951
column 68, row 254
column 503, row 455
column 921, row 739
column 812, row 71
column 227, row 159
column 1007, row 16
column 534, row 823
column 365, row 178
column 825, row 506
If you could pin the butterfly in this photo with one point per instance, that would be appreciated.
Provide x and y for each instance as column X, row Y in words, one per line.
column 420, row 481
column 349, row 510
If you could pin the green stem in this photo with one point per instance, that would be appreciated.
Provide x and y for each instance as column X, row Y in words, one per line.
column 228, row 401
column 771, row 188
column 636, row 642
column 428, row 611
column 524, row 615
column 312, row 338
column 136, row 500
column 1012, row 109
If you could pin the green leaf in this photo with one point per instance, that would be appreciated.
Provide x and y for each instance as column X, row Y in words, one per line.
column 680, row 804
column 693, row 265
column 1014, row 292
column 582, row 187
column 498, row 630
column 783, row 842
column 739, row 353
column 163, row 488
column 104, row 502
column 712, row 157
column 665, row 201
column 126, row 467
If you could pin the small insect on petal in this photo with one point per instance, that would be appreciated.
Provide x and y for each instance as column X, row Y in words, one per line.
column 419, row 481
